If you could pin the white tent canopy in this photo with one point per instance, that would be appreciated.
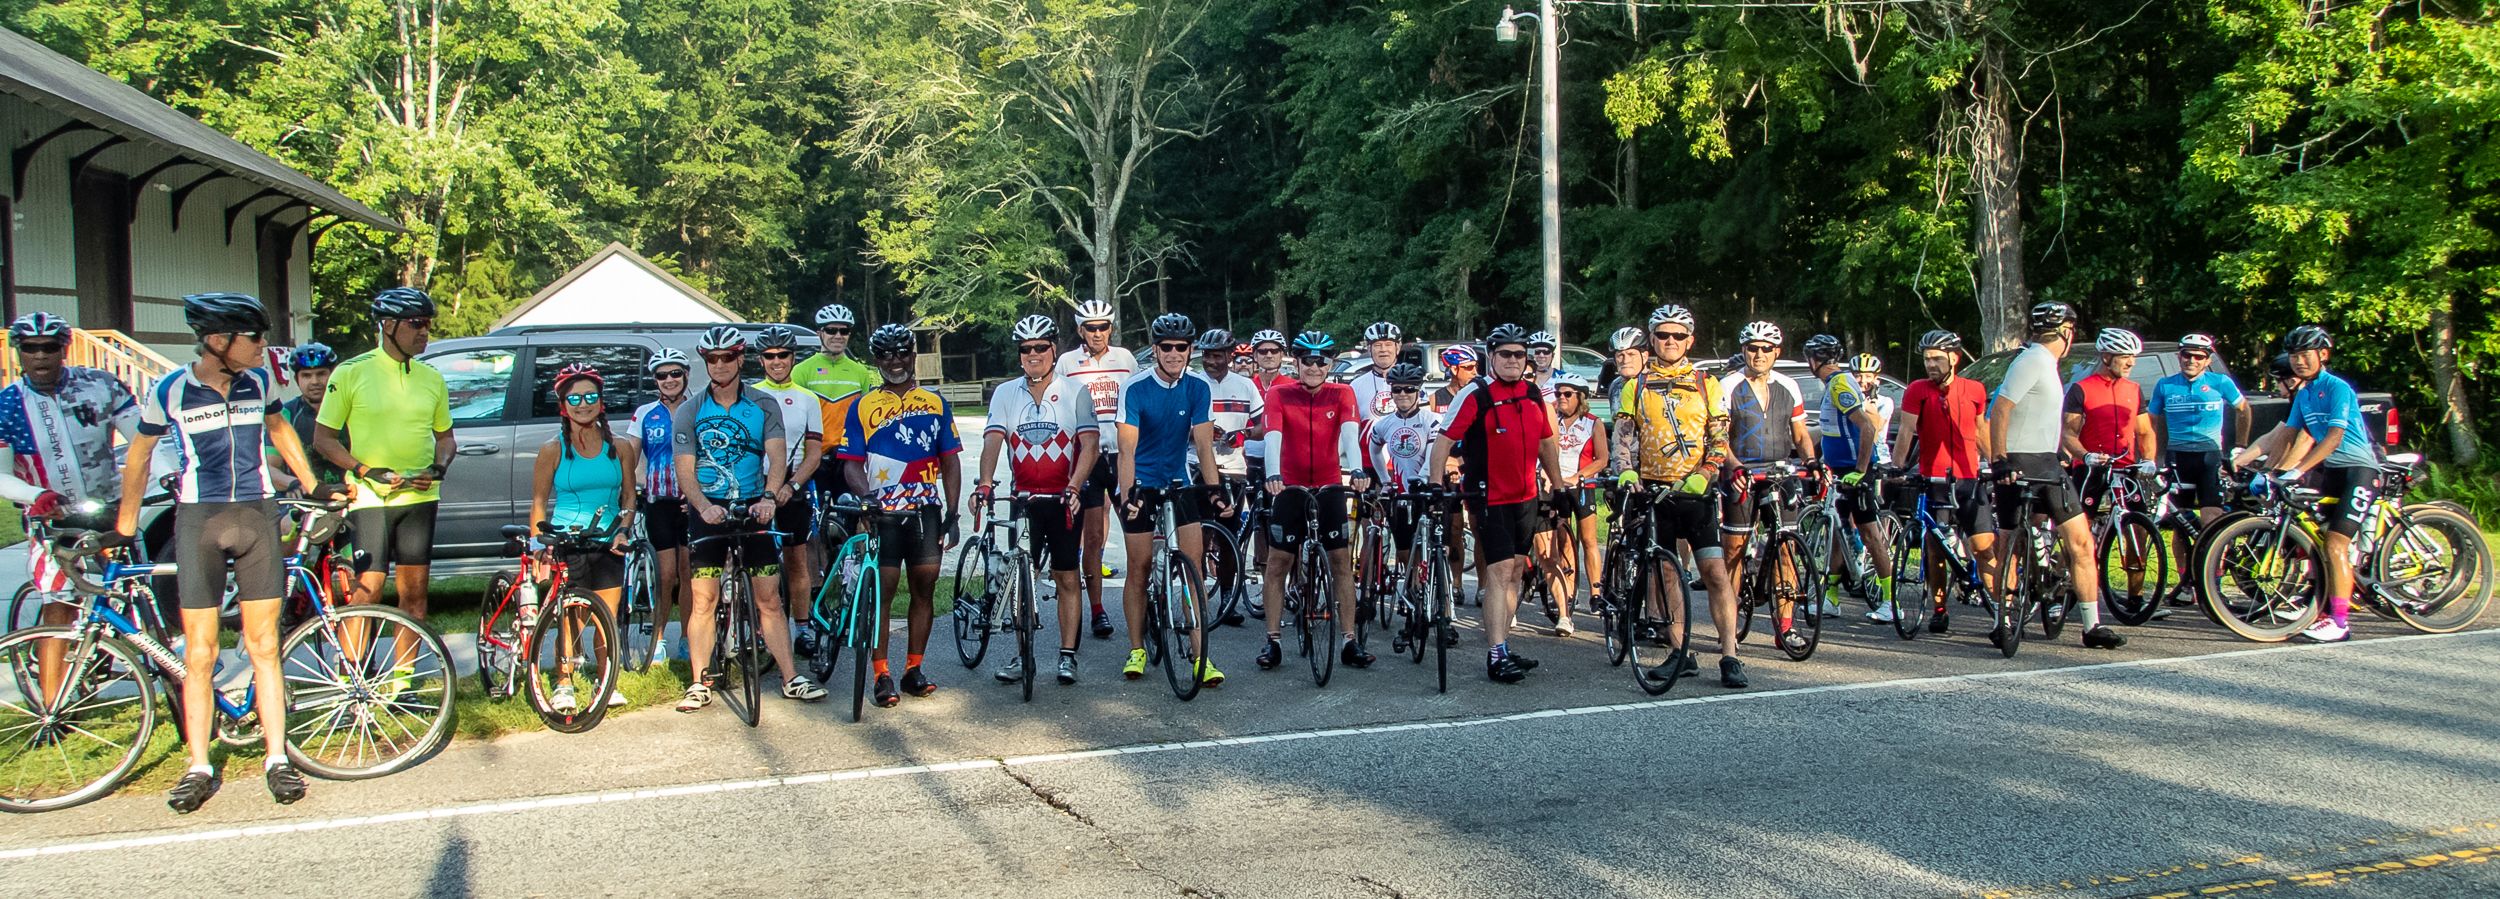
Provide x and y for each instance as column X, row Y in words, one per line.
column 617, row 285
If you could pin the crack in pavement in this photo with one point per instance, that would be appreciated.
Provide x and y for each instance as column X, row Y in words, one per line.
column 1060, row 804
column 1378, row 887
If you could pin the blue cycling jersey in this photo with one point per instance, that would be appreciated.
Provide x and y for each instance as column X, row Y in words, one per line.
column 1841, row 431
column 2327, row 403
column 1163, row 412
column 2193, row 411
column 219, row 436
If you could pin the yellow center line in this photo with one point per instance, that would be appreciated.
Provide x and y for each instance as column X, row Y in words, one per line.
column 2319, row 877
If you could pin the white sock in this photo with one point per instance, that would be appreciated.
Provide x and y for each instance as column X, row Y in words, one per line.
column 201, row 769
column 2089, row 613
column 271, row 763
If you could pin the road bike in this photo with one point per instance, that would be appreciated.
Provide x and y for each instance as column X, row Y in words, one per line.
column 736, row 666
column 2129, row 540
column 1820, row 525
column 1311, row 586
column 561, row 653
column 1227, row 548
column 849, row 610
column 2263, row 574
column 1933, row 540
column 2036, row 574
column 999, row 551
column 637, row 633
column 1427, row 587
column 1175, row 613
column 1636, row 568
column 1774, row 569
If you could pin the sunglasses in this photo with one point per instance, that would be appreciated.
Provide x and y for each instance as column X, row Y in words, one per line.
column 778, row 355
column 1510, row 354
column 1759, row 349
column 1094, row 328
column 669, row 375
column 1271, row 351
column 1034, row 349
column 890, row 357
column 1677, row 336
column 723, row 358
column 1171, row 347
column 1543, row 351
column 844, row 331
column 1408, row 389
column 45, row 348
column 425, row 324
column 1313, row 360
column 582, row 399
column 2197, row 356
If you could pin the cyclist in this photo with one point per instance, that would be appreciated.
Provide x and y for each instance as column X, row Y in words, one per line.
column 731, row 456
column 386, row 420
column 217, row 411
column 1164, row 423
column 663, row 500
column 1671, row 433
column 1044, row 424
column 1236, row 408
column 579, row 482
column 1267, row 369
column 1944, row 415
column 2188, row 409
column 803, row 429
column 1630, row 347
column 833, row 374
column 311, row 365
column 2325, row 438
column 1371, row 384
column 1401, row 442
column 1541, row 364
column 899, row 447
column 1766, row 415
column 1313, row 432
column 1101, row 369
column 57, row 425
column 1461, row 362
column 2026, row 424
column 1853, row 427
column 1581, row 439
column 2107, row 424
column 1502, row 434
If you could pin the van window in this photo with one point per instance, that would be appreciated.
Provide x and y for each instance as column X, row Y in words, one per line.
column 479, row 382
column 625, row 389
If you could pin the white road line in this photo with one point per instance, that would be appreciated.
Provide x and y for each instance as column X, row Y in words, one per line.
column 984, row 764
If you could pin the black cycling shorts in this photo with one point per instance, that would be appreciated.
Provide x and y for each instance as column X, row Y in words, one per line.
column 796, row 518
column 1049, row 533
column 596, row 569
column 394, row 535
column 1290, row 520
column 1185, row 512
column 208, row 537
column 665, row 521
column 1102, row 481
column 910, row 538
column 2201, row 470
column 1963, row 504
column 708, row 557
column 1860, row 504
column 1683, row 516
column 1404, row 518
column 2057, row 499
column 1503, row 532
column 2350, row 492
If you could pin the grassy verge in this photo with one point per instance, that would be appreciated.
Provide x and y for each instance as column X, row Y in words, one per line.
column 12, row 525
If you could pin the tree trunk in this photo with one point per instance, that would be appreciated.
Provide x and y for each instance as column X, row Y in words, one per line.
column 1105, row 249
column 1277, row 312
column 1631, row 196
column 2455, row 414
column 1997, row 242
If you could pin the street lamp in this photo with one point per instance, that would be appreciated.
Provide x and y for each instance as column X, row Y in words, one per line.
column 1549, row 151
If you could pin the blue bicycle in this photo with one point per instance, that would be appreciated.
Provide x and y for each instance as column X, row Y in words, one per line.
column 1932, row 541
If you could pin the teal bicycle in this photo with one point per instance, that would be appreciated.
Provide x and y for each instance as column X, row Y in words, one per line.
column 848, row 611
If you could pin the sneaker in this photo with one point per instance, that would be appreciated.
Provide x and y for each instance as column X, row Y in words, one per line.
column 1792, row 640
column 563, row 701
column 916, row 683
column 192, row 791
column 887, row 696
column 2181, row 597
column 1110, row 571
column 1525, row 663
column 616, row 699
column 1271, row 655
column 285, row 783
column 2324, row 631
column 2159, row 613
column 802, row 689
column 1067, row 669
column 1732, row 674
column 1506, row 671
column 2103, row 638
column 1681, row 666
column 1354, row 655
column 697, row 696
column 1882, row 614
column 1937, row 624
column 1012, row 672
column 1563, row 628
column 1208, row 675
column 1136, row 666
column 400, row 679
column 1102, row 623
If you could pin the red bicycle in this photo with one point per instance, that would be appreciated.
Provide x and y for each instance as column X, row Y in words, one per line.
column 562, row 653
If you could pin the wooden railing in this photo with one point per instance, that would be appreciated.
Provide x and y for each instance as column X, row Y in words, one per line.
column 130, row 361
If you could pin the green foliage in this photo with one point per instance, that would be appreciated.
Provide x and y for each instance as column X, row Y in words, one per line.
column 2477, row 488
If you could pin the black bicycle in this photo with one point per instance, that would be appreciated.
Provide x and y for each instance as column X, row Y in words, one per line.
column 2036, row 576
column 1428, row 588
column 1226, row 547
column 1646, row 602
column 999, row 553
column 1175, row 610
column 736, row 666
column 1311, row 587
column 1774, row 566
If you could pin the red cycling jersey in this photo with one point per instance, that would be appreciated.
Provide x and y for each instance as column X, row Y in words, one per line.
column 1948, row 425
column 1499, row 427
column 2109, row 405
column 1308, row 424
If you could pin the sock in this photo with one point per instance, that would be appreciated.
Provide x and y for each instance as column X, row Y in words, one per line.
column 1499, row 652
column 1275, row 637
column 1097, row 606
column 1785, row 621
column 880, row 665
column 2339, row 609
column 271, row 763
column 1067, row 653
column 911, row 660
column 2089, row 614
column 202, row 769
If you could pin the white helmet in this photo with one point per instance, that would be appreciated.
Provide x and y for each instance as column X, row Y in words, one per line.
column 1093, row 311
column 1381, row 331
column 1541, row 339
column 666, row 356
column 1628, row 338
column 2120, row 342
column 2197, row 341
column 1759, row 332
column 1575, row 382
column 834, row 314
column 1034, row 327
column 721, row 337
column 1269, row 335
column 1670, row 312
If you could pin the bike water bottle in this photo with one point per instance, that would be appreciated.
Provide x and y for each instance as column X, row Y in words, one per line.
column 526, row 595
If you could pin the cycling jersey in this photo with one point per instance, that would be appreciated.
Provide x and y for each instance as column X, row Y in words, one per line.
column 802, row 416
column 1578, row 442
column 2109, row 405
column 219, row 437
column 1881, row 405
column 63, row 440
column 834, row 377
column 301, row 416
column 1844, row 399
column 1759, row 418
column 1949, row 418
column 2326, row 403
column 1041, row 435
column 1164, row 412
column 584, row 490
column 1678, row 418
column 1102, row 377
column 1448, row 393
column 727, row 442
column 2193, row 411
column 1234, row 405
column 1306, row 433
column 1259, row 383
column 389, row 411
column 652, row 425
column 1371, row 393
column 2037, row 425
column 903, row 437
column 1400, row 445
column 1499, row 427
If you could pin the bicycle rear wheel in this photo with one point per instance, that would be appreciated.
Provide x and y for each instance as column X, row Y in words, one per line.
column 369, row 693
column 733, row 650
column 1623, row 579
column 1225, row 574
column 2013, row 610
column 499, row 633
column 636, row 633
column 2135, row 537
column 2262, row 581
column 1315, row 586
column 1657, row 671
column 1912, row 598
column 1028, row 619
column 25, row 609
column 863, row 617
column 1779, row 579
column 2434, row 570
column 1444, row 617
column 1176, row 599
column 973, row 614
column 74, row 746
column 572, row 645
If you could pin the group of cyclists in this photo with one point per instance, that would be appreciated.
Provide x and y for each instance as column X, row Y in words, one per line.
column 1088, row 434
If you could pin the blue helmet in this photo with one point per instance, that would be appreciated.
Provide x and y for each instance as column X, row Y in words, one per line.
column 1314, row 343
column 313, row 355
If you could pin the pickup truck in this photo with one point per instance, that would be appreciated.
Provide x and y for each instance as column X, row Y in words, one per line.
column 2160, row 359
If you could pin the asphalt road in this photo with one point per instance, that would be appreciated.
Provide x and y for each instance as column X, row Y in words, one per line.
column 2186, row 761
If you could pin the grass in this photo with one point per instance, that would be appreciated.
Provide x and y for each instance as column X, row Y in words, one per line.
column 12, row 525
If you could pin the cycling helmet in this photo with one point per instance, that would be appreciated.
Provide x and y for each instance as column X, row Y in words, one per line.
column 778, row 337
column 1241, row 351
column 38, row 324
column 2197, row 341
column 1267, row 335
column 1172, row 326
column 223, row 313
column 402, row 302
column 1866, row 364
column 2307, row 337
column 667, row 356
column 1034, row 327
column 2282, row 368
column 1093, row 311
column 1575, row 382
column 1628, row 338
column 1760, row 332
column 1542, row 339
column 1940, row 340
column 1215, row 339
column 834, row 314
column 1458, row 354
column 892, row 339
column 1382, row 331
column 1313, row 343
column 1822, row 347
column 1502, row 335
column 1670, row 312
column 313, row 355
column 1406, row 373
column 2119, row 342
column 575, row 372
column 2050, row 315
column 721, row 337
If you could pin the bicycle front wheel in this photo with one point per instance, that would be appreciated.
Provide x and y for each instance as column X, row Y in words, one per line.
column 1911, row 597
column 369, row 693
column 1028, row 619
column 974, row 612
column 637, row 632
column 1667, row 617
column 76, row 741
column 1176, row 600
column 1779, row 579
column 2434, row 570
column 1316, row 586
column 573, row 662
column 2013, row 608
column 2135, row 569
column 2262, row 580
column 733, row 650
column 1224, row 575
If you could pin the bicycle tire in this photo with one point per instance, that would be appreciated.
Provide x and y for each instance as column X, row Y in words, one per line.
column 1444, row 619
column 324, row 681
column 576, row 614
column 1028, row 620
column 1675, row 616
column 1180, row 626
column 120, row 678
column 499, row 639
column 973, row 612
column 1226, row 578
column 2013, row 610
column 2134, row 530
column 637, row 633
column 2050, row 595
column 1415, row 606
column 2427, row 536
column 1781, row 586
column 24, row 611
column 1315, row 583
column 2259, row 600
column 1622, row 578
column 731, row 650
column 864, row 626
column 1909, row 569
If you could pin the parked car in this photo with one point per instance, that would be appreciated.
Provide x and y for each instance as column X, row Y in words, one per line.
column 1572, row 358
column 2160, row 359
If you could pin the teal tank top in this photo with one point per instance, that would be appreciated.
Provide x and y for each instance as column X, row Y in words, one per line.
column 585, row 485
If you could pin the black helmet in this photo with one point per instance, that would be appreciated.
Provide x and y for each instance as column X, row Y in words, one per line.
column 892, row 339
column 223, row 313
column 402, row 302
column 1821, row 347
column 2050, row 316
column 1215, row 339
column 777, row 337
column 2283, row 368
column 1940, row 340
column 2307, row 337
column 1172, row 326
column 1406, row 373
column 1505, row 334
column 313, row 355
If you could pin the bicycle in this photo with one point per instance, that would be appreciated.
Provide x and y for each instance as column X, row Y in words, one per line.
column 1226, row 549
column 636, row 631
column 2129, row 541
column 1820, row 525
column 543, row 648
column 1006, row 556
column 369, row 687
column 1932, row 531
column 857, row 619
column 2264, row 576
column 1774, row 567
column 1172, row 598
column 737, row 643
column 1428, row 589
column 1635, row 564
column 1375, row 574
column 1311, row 587
column 2036, row 577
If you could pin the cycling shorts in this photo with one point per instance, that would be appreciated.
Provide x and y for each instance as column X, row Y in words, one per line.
column 210, row 536
column 596, row 569
column 1290, row 521
column 912, row 538
column 2201, row 470
column 1860, row 504
column 1099, row 484
column 664, row 519
column 1184, row 513
column 1050, row 535
column 1972, row 510
column 2350, row 492
column 1683, row 516
column 1503, row 532
column 394, row 535
column 1404, row 518
column 796, row 518
column 2057, row 499
column 709, row 559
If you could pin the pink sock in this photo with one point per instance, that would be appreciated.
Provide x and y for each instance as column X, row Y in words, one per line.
column 2339, row 609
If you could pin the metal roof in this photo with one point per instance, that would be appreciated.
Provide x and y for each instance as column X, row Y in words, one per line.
column 48, row 79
